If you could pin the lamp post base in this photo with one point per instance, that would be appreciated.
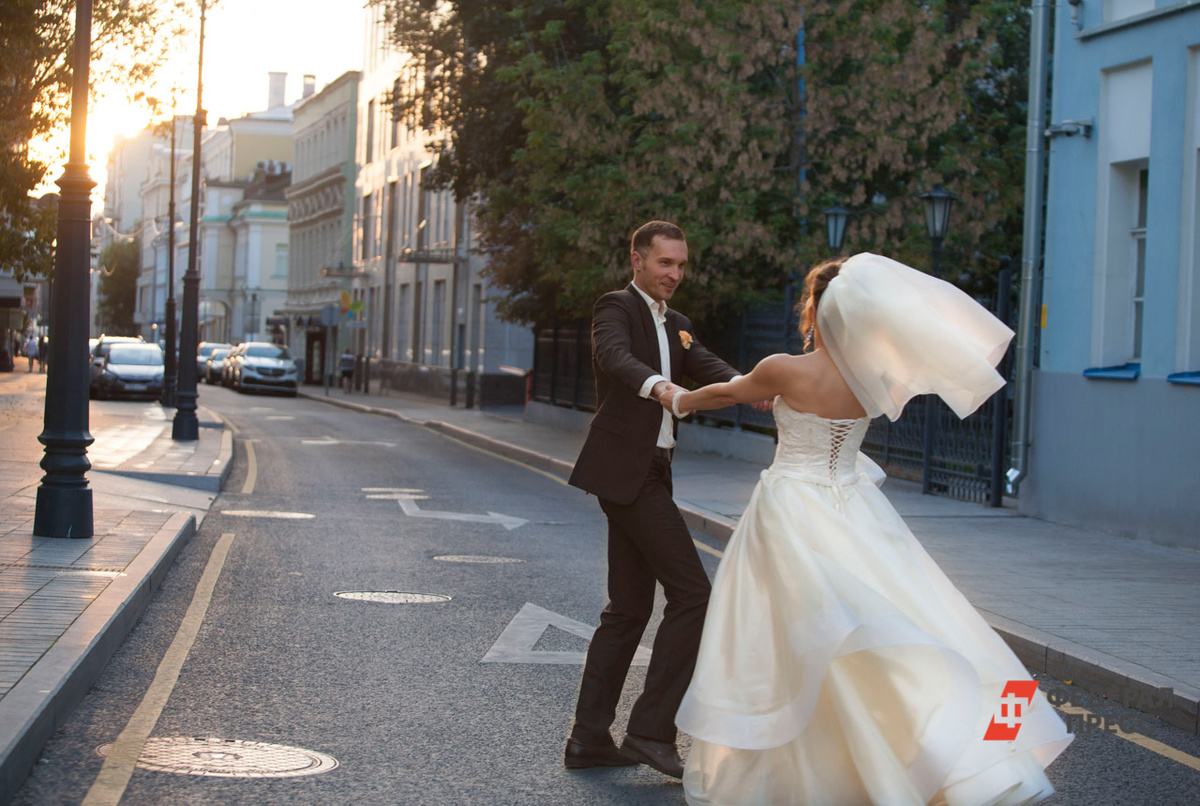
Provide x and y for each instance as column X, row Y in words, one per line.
column 63, row 512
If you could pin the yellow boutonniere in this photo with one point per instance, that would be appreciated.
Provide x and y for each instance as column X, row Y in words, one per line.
column 685, row 339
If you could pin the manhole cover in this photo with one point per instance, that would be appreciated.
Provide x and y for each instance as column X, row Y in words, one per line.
column 228, row 758
column 475, row 558
column 393, row 597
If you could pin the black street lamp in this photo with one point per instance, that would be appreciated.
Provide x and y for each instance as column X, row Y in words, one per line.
column 835, row 226
column 171, row 365
column 186, row 426
column 937, row 220
column 64, row 501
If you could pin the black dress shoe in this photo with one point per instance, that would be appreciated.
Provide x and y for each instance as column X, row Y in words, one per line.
column 662, row 756
column 579, row 756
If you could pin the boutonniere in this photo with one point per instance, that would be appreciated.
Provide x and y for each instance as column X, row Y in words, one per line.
column 685, row 339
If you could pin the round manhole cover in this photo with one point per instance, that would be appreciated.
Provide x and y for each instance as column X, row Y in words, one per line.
column 475, row 558
column 228, row 758
column 393, row 597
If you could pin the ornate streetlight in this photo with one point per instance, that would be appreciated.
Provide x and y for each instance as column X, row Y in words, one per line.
column 186, row 426
column 937, row 220
column 64, row 501
column 171, row 367
column 835, row 226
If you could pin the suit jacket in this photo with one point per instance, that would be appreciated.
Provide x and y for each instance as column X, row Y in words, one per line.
column 621, row 439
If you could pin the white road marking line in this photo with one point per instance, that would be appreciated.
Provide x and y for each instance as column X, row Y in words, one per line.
column 391, row 490
column 110, row 784
column 265, row 513
column 413, row 510
column 397, row 497
column 516, row 643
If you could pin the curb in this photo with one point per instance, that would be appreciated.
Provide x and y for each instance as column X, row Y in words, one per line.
column 45, row 697
column 1169, row 700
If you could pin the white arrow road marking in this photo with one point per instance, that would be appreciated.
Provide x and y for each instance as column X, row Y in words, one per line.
column 332, row 441
column 392, row 490
column 507, row 521
column 397, row 497
column 516, row 643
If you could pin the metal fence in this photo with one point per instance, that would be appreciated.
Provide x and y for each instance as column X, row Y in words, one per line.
column 968, row 456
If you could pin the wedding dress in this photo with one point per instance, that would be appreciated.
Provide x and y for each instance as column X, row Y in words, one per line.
column 838, row 664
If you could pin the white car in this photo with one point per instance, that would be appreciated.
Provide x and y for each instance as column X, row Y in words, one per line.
column 260, row 365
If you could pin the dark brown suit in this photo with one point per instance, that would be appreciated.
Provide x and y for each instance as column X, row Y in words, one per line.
column 648, row 541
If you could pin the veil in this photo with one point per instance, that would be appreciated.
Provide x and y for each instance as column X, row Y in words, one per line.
column 895, row 333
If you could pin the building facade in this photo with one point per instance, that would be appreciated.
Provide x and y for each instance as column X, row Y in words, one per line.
column 320, row 209
column 153, row 192
column 1115, row 443
column 419, row 302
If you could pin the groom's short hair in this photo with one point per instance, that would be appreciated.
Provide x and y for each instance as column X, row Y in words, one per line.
column 643, row 239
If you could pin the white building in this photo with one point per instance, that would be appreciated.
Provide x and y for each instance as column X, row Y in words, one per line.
column 419, row 301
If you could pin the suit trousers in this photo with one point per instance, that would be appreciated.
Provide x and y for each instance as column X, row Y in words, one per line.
column 648, row 542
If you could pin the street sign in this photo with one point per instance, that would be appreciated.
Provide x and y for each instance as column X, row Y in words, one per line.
column 330, row 315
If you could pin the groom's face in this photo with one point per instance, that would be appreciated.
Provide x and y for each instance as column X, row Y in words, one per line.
column 660, row 271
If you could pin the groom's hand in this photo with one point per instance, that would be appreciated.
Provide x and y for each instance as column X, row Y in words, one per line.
column 664, row 391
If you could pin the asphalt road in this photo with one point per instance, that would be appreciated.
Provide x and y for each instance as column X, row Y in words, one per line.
column 445, row 702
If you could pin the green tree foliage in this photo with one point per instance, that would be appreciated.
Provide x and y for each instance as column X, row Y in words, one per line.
column 570, row 122
column 117, row 294
column 36, row 40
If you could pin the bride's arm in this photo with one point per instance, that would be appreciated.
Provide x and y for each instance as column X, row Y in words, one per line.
column 764, row 382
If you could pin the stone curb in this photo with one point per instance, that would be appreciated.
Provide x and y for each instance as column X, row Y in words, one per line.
column 1041, row 652
column 45, row 697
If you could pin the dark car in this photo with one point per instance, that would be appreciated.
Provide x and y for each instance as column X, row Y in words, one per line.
column 212, row 366
column 100, row 352
column 227, row 365
column 203, row 350
column 260, row 365
column 131, row 370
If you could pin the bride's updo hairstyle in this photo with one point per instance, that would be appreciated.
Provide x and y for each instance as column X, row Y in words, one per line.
column 815, row 282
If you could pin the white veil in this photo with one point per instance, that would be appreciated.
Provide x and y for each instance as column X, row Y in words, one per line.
column 895, row 333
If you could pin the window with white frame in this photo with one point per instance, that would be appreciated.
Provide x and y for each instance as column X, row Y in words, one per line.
column 1123, row 185
column 1187, row 344
column 281, row 260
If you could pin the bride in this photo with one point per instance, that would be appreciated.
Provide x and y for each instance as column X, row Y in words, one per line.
column 838, row 664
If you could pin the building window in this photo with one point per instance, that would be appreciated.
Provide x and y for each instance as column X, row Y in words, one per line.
column 439, row 320
column 1123, row 9
column 281, row 260
column 369, row 151
column 367, row 229
column 403, row 323
column 1139, row 262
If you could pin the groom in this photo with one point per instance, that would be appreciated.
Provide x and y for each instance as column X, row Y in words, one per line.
column 640, row 351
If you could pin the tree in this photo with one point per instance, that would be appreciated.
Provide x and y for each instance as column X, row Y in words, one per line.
column 569, row 122
column 119, row 264
column 36, row 38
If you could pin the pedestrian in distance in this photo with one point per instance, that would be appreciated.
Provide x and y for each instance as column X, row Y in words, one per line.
column 641, row 351
column 346, row 365
column 31, row 350
column 838, row 663
column 43, row 351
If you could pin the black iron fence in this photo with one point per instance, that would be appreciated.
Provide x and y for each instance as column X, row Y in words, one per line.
column 968, row 456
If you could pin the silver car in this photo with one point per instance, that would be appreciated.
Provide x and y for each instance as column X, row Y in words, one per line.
column 100, row 352
column 260, row 365
column 131, row 370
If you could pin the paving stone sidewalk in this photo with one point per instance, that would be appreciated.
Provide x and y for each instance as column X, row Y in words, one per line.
column 1110, row 613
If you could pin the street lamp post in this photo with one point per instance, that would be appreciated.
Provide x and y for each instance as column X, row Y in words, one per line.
column 64, row 501
column 171, row 366
column 185, row 425
column 937, row 220
column 835, row 226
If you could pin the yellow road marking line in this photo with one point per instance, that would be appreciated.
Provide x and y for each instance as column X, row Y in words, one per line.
column 252, row 471
column 1153, row 745
column 114, row 776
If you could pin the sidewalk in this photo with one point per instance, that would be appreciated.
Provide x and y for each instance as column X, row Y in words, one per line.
column 1111, row 614
column 67, row 604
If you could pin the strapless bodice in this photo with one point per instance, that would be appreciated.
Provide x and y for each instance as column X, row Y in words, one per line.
column 816, row 448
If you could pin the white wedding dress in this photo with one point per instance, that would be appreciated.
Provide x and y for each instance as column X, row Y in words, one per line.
column 838, row 665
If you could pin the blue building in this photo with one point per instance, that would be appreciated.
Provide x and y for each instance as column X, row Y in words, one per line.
column 1115, row 440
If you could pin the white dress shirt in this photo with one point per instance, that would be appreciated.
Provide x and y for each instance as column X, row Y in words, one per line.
column 658, row 310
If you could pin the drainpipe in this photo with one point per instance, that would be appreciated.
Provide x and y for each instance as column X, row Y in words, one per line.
column 1031, row 255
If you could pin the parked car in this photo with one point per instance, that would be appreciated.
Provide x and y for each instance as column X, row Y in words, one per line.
column 265, row 366
column 131, row 369
column 100, row 352
column 227, row 366
column 212, row 367
column 203, row 351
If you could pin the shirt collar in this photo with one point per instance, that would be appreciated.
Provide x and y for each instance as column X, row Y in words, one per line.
column 654, row 306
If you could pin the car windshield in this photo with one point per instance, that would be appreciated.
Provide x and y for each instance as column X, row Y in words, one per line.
column 267, row 351
column 143, row 354
column 208, row 349
column 105, row 345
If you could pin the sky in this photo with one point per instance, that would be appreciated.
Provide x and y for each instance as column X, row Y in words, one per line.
column 244, row 40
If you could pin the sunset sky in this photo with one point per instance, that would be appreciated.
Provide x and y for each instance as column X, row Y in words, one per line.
column 244, row 40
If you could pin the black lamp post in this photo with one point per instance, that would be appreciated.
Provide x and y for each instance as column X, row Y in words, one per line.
column 186, row 426
column 64, row 501
column 835, row 226
column 937, row 220
column 171, row 365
